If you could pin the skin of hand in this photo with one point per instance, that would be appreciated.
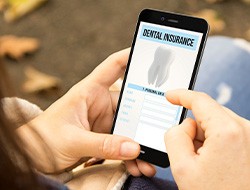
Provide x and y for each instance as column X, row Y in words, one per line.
column 212, row 151
column 72, row 128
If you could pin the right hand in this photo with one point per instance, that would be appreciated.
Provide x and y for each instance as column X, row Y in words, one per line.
column 212, row 151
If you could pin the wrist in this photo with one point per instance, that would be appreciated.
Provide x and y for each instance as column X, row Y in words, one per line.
column 34, row 146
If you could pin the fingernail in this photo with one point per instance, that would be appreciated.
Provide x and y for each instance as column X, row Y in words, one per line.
column 129, row 149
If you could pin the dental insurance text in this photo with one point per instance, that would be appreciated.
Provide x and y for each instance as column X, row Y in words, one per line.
column 163, row 59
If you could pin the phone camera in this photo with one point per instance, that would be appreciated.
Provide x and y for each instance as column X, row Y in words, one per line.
column 162, row 18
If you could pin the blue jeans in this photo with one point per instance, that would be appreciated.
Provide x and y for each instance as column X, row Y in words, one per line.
column 224, row 74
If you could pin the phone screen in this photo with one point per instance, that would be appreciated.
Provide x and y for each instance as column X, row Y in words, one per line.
column 163, row 58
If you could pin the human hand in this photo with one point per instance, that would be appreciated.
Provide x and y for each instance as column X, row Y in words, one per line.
column 70, row 128
column 212, row 151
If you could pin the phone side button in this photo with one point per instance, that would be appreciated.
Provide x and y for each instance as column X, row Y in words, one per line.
column 142, row 152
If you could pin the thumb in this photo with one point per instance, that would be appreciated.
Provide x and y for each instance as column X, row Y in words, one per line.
column 110, row 146
column 179, row 141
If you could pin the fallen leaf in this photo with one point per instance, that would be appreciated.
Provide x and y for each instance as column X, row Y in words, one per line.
column 38, row 81
column 211, row 16
column 246, row 1
column 2, row 5
column 19, row 8
column 15, row 47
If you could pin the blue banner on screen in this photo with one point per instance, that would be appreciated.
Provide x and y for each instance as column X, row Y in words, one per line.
column 169, row 37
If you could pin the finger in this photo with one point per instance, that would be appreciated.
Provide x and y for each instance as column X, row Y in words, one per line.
column 111, row 69
column 179, row 141
column 197, row 145
column 117, row 85
column 132, row 168
column 146, row 168
column 203, row 107
column 114, row 99
column 109, row 146
column 200, row 136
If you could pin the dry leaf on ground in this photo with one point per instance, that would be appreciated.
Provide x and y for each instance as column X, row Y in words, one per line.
column 38, row 81
column 16, row 47
column 2, row 5
column 19, row 8
column 211, row 16
column 246, row 1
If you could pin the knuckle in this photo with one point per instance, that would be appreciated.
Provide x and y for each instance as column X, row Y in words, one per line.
column 200, row 99
column 233, row 133
column 111, row 57
column 116, row 59
column 108, row 150
column 202, row 96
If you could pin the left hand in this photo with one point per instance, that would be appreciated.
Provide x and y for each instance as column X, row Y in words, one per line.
column 70, row 128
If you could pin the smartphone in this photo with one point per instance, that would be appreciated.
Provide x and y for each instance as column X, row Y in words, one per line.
column 165, row 55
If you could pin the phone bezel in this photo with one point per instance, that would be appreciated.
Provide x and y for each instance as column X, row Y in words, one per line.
column 182, row 22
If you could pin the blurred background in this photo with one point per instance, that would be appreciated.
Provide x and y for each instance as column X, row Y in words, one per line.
column 73, row 37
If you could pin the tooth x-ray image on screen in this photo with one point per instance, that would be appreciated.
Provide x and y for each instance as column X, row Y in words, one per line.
column 158, row 72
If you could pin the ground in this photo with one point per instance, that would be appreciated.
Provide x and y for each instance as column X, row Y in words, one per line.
column 77, row 35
